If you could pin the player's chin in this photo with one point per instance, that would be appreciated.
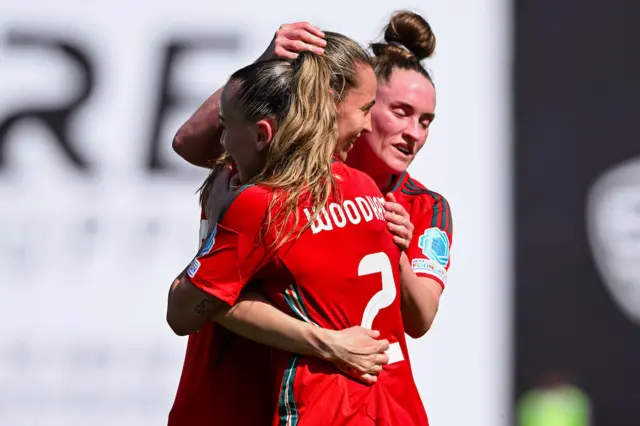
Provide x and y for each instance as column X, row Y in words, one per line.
column 397, row 165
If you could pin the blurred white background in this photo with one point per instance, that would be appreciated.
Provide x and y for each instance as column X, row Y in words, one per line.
column 87, row 257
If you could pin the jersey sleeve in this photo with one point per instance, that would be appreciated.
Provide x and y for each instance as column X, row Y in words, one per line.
column 231, row 256
column 432, row 237
column 204, row 228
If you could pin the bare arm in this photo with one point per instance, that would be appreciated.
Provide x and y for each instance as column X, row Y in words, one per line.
column 420, row 295
column 198, row 139
column 420, row 300
column 254, row 318
column 189, row 308
column 356, row 351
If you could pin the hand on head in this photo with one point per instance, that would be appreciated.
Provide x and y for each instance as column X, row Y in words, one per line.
column 291, row 39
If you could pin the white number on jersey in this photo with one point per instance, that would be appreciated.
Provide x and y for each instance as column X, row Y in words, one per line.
column 373, row 264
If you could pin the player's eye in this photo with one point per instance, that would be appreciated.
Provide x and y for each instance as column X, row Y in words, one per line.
column 367, row 109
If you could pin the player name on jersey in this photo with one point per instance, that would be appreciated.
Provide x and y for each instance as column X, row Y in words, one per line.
column 348, row 211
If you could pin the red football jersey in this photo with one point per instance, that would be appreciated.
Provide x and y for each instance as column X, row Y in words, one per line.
column 343, row 271
column 225, row 378
column 429, row 251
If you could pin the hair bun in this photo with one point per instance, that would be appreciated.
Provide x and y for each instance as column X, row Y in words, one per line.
column 409, row 35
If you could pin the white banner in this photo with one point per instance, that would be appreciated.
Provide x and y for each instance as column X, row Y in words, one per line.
column 97, row 215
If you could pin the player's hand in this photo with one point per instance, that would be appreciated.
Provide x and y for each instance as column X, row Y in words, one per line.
column 358, row 353
column 398, row 222
column 293, row 38
column 225, row 183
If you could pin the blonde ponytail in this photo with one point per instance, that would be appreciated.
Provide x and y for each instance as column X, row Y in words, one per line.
column 298, row 167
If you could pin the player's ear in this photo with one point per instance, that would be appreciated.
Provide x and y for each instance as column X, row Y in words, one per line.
column 266, row 131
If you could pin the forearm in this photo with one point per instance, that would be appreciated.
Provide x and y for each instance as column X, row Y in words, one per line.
column 198, row 139
column 189, row 308
column 256, row 319
column 420, row 300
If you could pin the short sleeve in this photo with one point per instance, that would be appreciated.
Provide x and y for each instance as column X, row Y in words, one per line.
column 231, row 255
column 429, row 251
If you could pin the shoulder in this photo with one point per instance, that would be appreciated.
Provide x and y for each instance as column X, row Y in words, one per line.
column 345, row 174
column 425, row 204
column 411, row 188
column 247, row 203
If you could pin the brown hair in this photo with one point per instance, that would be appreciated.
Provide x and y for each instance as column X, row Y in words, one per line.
column 343, row 56
column 408, row 39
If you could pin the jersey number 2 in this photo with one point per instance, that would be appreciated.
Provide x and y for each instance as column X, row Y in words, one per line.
column 373, row 264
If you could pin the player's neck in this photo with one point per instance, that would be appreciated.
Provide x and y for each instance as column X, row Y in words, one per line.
column 245, row 175
column 385, row 181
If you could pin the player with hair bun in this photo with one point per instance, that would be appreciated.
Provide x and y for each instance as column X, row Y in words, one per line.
column 400, row 121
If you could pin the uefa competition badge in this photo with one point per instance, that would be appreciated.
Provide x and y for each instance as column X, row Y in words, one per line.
column 435, row 245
